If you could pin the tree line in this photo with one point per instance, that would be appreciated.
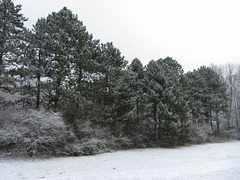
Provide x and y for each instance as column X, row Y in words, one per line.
column 58, row 65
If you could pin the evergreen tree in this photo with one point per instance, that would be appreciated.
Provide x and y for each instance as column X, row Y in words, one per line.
column 208, row 95
column 125, row 103
column 11, row 33
column 69, row 54
column 167, row 100
column 138, row 72
column 114, row 98
column 60, row 66
column 154, row 81
column 37, row 57
column 196, row 86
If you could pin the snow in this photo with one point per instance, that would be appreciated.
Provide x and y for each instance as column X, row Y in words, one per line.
column 208, row 161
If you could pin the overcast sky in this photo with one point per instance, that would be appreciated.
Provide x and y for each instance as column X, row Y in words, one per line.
column 194, row 32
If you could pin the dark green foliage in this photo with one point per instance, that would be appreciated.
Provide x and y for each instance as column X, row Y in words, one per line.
column 167, row 100
column 36, row 58
column 61, row 52
column 11, row 36
column 67, row 44
column 138, row 86
column 207, row 94
column 114, row 99
column 58, row 66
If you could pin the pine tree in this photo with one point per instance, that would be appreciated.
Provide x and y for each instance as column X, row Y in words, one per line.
column 167, row 100
column 112, row 93
column 69, row 55
column 138, row 72
column 153, row 79
column 196, row 93
column 36, row 58
column 125, row 104
column 11, row 33
column 208, row 95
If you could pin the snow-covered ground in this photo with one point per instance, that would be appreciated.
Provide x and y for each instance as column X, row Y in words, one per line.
column 209, row 161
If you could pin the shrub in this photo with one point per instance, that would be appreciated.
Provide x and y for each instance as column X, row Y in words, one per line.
column 97, row 139
column 32, row 132
column 199, row 133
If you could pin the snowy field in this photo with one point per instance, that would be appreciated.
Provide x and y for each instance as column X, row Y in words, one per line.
column 209, row 161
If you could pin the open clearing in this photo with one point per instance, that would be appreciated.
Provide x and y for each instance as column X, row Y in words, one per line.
column 208, row 161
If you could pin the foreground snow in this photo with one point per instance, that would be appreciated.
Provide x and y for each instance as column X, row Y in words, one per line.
column 209, row 161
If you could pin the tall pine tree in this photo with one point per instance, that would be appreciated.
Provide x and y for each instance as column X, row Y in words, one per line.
column 208, row 96
column 167, row 100
column 114, row 97
column 11, row 34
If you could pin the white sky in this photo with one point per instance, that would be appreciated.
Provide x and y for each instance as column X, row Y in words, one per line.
column 194, row 32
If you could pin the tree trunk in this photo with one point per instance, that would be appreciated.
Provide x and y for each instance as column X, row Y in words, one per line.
column 159, row 128
column 217, row 120
column 137, row 106
column 107, row 90
column 56, row 99
column 236, row 110
column 230, row 105
column 237, row 119
column 1, row 64
column 1, row 67
column 38, row 90
column 155, row 120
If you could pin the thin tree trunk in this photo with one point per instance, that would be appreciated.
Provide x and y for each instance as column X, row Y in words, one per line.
column 236, row 110
column 155, row 120
column 137, row 106
column 159, row 128
column 38, row 81
column 56, row 99
column 107, row 92
column 1, row 63
column 230, row 105
column 217, row 119
column 79, row 83
column 1, row 67
column 237, row 118
column 38, row 90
